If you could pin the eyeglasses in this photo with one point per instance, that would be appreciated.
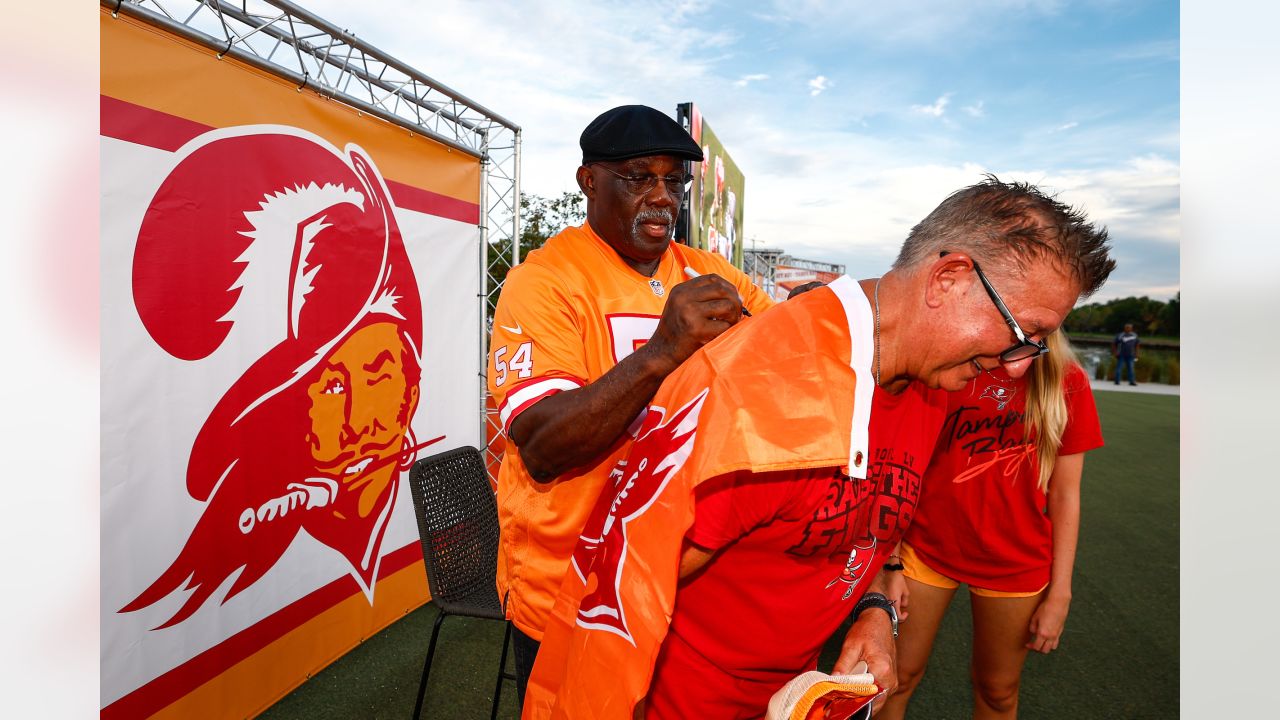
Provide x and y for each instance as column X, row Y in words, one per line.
column 1024, row 348
column 677, row 185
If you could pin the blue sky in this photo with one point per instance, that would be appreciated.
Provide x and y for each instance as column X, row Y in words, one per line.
column 850, row 120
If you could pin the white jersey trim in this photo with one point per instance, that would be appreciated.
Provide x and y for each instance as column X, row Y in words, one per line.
column 858, row 314
column 517, row 401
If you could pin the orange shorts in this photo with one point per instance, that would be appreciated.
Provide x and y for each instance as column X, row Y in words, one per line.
column 914, row 568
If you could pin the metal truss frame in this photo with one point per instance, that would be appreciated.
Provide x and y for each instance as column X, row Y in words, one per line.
column 761, row 265
column 795, row 262
column 280, row 38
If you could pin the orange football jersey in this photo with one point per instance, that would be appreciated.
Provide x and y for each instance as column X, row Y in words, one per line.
column 566, row 315
column 790, row 391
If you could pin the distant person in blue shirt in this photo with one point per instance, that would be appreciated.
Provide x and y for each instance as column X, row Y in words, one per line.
column 1125, row 349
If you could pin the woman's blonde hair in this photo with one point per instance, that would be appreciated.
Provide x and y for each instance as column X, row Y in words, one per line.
column 1046, row 417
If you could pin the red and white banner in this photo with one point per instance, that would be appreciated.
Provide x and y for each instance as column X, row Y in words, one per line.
column 289, row 319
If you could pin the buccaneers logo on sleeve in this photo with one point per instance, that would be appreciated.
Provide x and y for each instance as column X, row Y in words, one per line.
column 271, row 241
column 660, row 451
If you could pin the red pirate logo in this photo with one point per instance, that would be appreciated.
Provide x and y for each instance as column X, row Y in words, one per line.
column 999, row 394
column 660, row 451
column 292, row 245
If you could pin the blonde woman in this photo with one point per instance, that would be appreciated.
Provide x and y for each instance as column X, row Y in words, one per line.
column 1000, row 512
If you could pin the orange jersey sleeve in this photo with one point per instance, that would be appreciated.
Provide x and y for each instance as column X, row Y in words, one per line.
column 536, row 348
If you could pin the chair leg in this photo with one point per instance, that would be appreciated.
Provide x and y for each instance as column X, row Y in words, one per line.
column 426, row 667
column 502, row 672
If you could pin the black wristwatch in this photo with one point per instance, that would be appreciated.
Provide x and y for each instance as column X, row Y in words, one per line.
column 877, row 600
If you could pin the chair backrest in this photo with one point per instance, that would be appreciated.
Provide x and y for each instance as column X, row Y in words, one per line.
column 458, row 523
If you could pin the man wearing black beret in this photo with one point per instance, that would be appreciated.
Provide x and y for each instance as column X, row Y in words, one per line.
column 586, row 329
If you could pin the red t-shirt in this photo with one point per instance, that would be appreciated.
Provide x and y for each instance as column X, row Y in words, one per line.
column 796, row 550
column 982, row 517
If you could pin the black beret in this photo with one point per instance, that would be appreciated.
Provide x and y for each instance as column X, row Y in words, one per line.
column 633, row 131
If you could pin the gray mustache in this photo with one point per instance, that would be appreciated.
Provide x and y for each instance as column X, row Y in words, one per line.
column 646, row 215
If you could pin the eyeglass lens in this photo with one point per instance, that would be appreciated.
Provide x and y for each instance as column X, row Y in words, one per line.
column 641, row 184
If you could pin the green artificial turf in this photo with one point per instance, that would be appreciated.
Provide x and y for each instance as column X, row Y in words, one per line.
column 1118, row 657
column 379, row 678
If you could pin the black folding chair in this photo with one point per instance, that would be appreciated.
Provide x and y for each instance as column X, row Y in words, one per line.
column 458, row 524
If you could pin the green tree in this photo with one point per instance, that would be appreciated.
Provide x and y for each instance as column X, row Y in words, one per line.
column 1149, row 317
column 1091, row 318
column 1169, row 320
column 540, row 218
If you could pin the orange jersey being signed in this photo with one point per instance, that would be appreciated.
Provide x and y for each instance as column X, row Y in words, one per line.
column 787, row 391
column 566, row 316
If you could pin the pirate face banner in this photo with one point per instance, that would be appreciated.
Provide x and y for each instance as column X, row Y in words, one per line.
column 281, row 332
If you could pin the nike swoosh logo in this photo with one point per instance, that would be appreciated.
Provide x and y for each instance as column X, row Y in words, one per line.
column 513, row 330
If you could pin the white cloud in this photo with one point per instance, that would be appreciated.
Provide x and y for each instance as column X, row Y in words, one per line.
column 506, row 58
column 822, row 189
column 1139, row 198
column 857, row 203
column 937, row 109
column 1066, row 126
